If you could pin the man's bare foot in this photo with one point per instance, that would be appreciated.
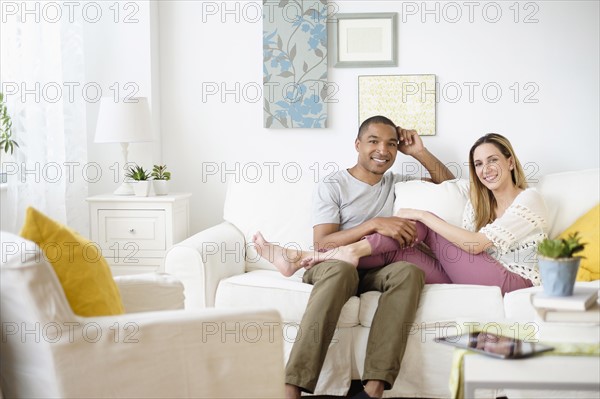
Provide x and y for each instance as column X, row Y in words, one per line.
column 286, row 260
column 292, row 392
column 346, row 253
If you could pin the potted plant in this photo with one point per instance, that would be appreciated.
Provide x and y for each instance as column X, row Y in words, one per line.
column 140, row 177
column 160, row 178
column 7, row 143
column 558, row 266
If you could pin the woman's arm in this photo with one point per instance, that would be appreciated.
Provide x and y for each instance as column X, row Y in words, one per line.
column 471, row 242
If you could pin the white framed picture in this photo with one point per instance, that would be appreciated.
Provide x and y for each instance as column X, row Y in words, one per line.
column 365, row 40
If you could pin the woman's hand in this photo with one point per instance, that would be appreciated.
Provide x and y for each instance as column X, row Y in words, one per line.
column 412, row 214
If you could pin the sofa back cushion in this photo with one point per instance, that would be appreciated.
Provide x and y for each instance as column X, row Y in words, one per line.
column 446, row 200
column 281, row 210
column 568, row 196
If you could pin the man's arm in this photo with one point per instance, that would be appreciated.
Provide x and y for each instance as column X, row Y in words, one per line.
column 329, row 235
column 411, row 144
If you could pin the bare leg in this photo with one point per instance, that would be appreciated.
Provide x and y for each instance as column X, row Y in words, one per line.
column 286, row 260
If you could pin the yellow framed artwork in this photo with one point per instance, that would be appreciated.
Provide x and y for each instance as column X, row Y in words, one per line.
column 408, row 100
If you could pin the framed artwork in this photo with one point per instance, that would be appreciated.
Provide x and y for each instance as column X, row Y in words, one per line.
column 364, row 40
column 408, row 100
column 295, row 86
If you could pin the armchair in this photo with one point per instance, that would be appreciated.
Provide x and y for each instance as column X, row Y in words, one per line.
column 48, row 351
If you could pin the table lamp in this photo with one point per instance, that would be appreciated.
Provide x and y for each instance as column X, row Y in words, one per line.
column 124, row 121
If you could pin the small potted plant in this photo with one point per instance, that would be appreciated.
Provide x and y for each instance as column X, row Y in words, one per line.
column 141, row 182
column 7, row 143
column 160, row 178
column 558, row 265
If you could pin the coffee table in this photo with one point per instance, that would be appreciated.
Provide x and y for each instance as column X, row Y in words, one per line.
column 579, row 373
column 547, row 372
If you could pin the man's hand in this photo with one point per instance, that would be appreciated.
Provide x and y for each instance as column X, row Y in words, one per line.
column 410, row 141
column 402, row 230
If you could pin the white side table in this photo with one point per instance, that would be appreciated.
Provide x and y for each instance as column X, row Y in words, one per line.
column 135, row 233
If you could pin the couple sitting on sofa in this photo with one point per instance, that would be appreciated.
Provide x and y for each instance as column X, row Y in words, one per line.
column 503, row 223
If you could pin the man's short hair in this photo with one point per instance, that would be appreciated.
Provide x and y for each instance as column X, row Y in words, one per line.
column 372, row 120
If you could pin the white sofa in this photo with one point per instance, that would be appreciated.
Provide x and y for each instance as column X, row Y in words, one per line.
column 219, row 268
column 156, row 349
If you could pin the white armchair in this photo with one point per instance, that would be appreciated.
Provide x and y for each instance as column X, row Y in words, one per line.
column 48, row 351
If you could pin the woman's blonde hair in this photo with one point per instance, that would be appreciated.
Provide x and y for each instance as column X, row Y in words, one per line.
column 482, row 198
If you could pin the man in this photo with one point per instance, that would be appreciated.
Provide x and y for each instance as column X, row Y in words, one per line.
column 359, row 202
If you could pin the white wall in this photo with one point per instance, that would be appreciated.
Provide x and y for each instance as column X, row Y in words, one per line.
column 558, row 55
column 121, row 56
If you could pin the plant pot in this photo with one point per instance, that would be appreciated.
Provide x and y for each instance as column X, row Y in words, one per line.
column 141, row 188
column 161, row 187
column 558, row 275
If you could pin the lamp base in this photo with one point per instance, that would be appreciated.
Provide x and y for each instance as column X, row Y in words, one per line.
column 124, row 189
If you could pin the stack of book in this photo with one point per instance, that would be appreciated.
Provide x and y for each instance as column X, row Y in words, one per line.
column 581, row 307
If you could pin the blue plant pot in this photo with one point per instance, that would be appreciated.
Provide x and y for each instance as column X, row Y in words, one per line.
column 558, row 275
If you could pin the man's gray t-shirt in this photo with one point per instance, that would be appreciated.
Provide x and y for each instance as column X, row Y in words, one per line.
column 343, row 199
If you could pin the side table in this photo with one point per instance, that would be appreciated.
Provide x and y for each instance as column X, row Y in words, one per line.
column 134, row 233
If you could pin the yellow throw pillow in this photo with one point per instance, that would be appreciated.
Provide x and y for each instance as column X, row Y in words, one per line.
column 588, row 227
column 79, row 265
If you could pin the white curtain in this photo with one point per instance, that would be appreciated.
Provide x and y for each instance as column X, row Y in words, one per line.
column 42, row 65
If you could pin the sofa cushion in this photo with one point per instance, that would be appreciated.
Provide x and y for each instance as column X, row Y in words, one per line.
column 568, row 196
column 79, row 265
column 444, row 303
column 588, row 227
column 269, row 289
column 446, row 200
column 281, row 209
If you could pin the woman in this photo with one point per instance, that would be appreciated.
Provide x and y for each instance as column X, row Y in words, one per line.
column 503, row 223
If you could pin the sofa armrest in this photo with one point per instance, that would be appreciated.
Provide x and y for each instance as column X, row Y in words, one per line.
column 150, row 292
column 207, row 353
column 203, row 260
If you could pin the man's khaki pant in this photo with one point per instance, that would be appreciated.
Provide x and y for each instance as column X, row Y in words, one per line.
column 334, row 283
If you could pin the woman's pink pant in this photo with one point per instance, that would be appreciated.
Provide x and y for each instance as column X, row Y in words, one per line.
column 449, row 263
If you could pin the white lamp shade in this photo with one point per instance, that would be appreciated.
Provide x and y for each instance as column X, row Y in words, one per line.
column 123, row 121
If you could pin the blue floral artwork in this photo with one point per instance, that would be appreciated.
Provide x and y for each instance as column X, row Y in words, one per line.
column 295, row 87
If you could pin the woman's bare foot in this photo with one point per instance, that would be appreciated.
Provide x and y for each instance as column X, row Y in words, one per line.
column 286, row 260
column 346, row 253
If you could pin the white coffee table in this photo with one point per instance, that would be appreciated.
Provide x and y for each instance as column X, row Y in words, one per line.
column 547, row 372
column 578, row 373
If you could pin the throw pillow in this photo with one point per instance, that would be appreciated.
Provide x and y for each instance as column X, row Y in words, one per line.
column 588, row 227
column 78, row 264
column 446, row 200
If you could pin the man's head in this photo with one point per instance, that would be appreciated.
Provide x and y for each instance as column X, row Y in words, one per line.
column 374, row 119
column 377, row 145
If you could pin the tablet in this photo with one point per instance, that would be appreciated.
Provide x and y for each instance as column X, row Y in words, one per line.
column 495, row 345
